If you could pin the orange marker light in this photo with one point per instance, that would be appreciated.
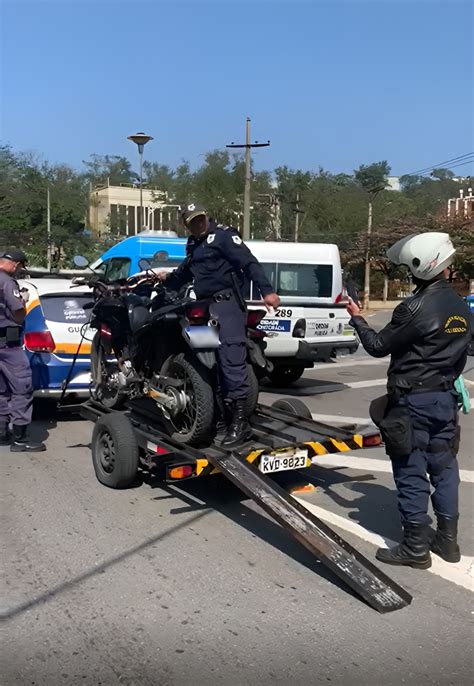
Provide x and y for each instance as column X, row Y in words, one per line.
column 180, row 472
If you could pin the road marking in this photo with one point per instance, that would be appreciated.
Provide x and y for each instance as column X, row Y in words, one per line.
column 370, row 465
column 461, row 573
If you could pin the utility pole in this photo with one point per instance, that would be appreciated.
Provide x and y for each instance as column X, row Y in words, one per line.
column 297, row 216
column 248, row 146
column 140, row 139
column 367, row 259
column 48, row 230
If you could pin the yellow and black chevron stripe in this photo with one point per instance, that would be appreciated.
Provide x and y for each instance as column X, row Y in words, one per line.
column 332, row 445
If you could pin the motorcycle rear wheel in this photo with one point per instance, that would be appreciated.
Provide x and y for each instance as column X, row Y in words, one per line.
column 104, row 390
column 195, row 425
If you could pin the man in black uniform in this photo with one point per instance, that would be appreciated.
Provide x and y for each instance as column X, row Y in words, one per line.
column 217, row 260
column 427, row 339
column 16, row 389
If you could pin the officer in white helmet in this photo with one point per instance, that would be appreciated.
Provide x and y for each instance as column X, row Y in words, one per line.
column 427, row 339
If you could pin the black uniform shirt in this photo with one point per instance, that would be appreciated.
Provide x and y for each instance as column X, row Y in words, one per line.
column 212, row 259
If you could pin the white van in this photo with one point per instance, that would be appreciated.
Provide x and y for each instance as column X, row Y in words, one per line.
column 311, row 323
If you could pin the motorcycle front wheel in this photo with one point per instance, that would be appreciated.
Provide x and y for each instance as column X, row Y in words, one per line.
column 104, row 389
column 194, row 425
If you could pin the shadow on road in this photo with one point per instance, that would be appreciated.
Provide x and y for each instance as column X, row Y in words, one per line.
column 305, row 387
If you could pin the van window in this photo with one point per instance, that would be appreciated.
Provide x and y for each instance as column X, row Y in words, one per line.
column 117, row 268
column 297, row 280
column 305, row 280
column 163, row 264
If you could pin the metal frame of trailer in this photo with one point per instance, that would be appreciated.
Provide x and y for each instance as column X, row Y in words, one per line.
column 276, row 433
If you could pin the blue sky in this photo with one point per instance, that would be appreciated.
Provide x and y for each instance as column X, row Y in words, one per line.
column 334, row 84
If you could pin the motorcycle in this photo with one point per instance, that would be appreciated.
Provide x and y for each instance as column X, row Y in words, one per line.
column 152, row 342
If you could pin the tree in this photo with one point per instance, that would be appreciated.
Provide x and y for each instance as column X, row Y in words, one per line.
column 372, row 177
column 109, row 169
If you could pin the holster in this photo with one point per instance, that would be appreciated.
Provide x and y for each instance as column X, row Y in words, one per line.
column 397, row 431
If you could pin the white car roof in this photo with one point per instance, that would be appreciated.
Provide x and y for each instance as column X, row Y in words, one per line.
column 299, row 253
column 51, row 286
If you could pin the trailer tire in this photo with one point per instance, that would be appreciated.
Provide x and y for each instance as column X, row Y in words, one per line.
column 293, row 406
column 285, row 375
column 115, row 451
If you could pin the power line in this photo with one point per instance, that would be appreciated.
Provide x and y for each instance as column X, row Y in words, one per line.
column 439, row 164
column 453, row 166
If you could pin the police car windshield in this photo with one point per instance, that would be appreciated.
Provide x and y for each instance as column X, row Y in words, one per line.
column 66, row 308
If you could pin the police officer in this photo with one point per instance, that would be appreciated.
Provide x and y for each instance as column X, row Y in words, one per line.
column 16, row 389
column 217, row 261
column 427, row 339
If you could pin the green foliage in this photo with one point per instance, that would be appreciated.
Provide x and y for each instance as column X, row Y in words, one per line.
column 332, row 207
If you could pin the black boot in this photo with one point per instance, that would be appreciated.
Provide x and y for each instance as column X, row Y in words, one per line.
column 5, row 438
column 224, row 410
column 21, row 444
column 445, row 542
column 413, row 551
column 239, row 429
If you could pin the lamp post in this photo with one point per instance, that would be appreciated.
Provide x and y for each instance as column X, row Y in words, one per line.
column 140, row 139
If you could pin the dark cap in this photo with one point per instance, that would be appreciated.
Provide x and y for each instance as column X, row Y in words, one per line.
column 14, row 255
column 188, row 212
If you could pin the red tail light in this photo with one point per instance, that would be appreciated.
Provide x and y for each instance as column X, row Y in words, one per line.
column 105, row 332
column 39, row 342
column 342, row 298
column 197, row 312
column 371, row 441
column 254, row 317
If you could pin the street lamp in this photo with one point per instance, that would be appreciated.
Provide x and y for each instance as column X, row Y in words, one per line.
column 140, row 139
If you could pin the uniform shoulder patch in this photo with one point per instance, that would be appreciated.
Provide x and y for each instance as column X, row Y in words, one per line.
column 237, row 240
column 211, row 238
column 455, row 324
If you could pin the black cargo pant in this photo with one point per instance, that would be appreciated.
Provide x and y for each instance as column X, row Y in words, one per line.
column 232, row 353
column 433, row 418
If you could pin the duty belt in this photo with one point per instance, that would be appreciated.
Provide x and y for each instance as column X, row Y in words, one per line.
column 10, row 337
column 404, row 387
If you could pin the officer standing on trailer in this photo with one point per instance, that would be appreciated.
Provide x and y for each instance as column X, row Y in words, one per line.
column 16, row 388
column 427, row 339
column 217, row 261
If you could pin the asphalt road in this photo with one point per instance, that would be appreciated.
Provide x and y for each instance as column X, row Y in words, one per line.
column 195, row 585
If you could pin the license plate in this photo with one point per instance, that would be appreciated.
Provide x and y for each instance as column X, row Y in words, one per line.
column 284, row 462
column 274, row 325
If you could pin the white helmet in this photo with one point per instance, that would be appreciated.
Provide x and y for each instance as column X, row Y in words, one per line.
column 426, row 255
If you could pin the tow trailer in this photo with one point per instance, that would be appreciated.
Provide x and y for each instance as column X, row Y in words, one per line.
column 284, row 437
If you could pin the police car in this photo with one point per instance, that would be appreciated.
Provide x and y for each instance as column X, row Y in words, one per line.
column 57, row 316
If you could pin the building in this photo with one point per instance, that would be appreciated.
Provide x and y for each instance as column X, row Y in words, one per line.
column 462, row 206
column 393, row 183
column 116, row 209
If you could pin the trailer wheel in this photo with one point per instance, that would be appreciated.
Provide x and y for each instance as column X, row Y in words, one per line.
column 285, row 375
column 293, row 406
column 114, row 451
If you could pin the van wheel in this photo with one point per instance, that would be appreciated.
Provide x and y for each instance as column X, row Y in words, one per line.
column 293, row 406
column 115, row 451
column 285, row 375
